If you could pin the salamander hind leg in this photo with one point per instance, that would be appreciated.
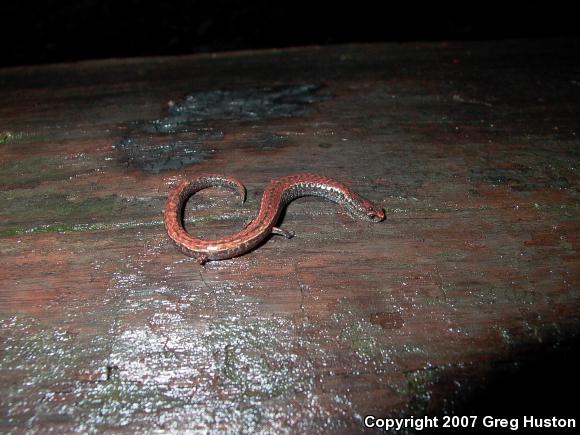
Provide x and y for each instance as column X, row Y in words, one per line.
column 202, row 259
column 281, row 232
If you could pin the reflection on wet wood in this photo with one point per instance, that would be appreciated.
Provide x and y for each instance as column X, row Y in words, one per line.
column 472, row 149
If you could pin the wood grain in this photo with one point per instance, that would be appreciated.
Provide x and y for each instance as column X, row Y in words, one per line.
column 472, row 149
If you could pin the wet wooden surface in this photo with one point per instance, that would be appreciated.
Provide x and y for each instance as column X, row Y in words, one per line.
column 471, row 148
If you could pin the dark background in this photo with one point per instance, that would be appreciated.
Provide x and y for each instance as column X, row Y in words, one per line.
column 35, row 32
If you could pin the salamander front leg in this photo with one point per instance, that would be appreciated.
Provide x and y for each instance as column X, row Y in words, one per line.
column 281, row 232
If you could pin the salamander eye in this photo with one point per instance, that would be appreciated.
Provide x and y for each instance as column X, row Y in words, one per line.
column 379, row 215
column 374, row 213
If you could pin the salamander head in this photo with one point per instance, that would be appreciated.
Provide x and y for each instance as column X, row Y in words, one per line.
column 372, row 212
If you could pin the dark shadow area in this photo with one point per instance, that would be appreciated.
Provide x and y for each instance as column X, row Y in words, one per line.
column 35, row 32
column 544, row 383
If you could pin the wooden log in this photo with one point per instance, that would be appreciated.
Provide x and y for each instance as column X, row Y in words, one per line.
column 471, row 148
